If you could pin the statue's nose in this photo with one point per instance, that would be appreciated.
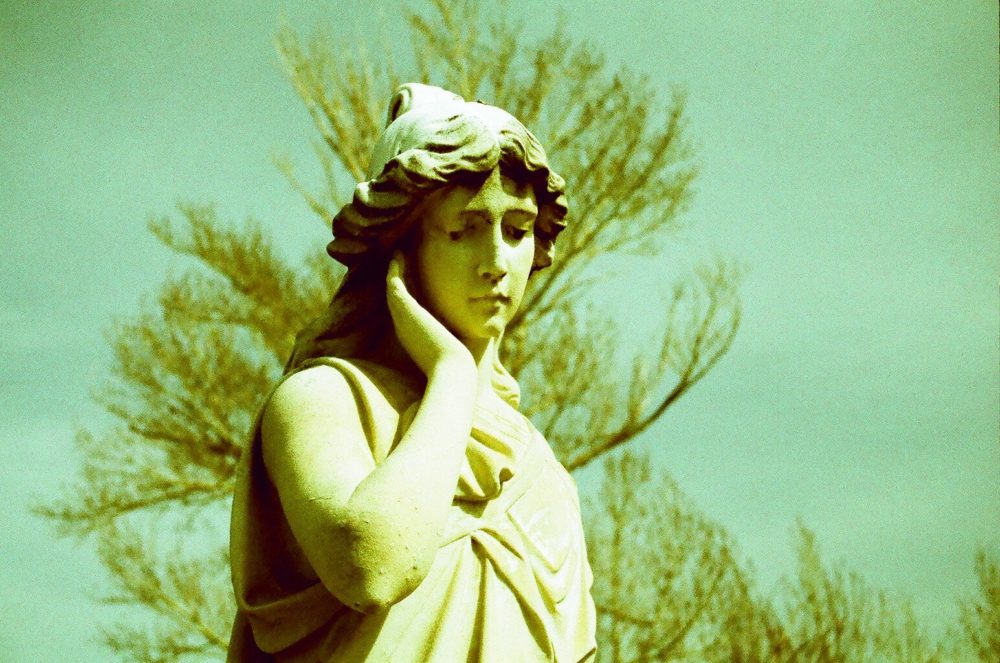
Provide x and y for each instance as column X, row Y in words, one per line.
column 493, row 264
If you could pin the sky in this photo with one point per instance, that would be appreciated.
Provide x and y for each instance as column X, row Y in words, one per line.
column 848, row 157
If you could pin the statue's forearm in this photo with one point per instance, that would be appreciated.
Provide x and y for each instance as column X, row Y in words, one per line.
column 398, row 511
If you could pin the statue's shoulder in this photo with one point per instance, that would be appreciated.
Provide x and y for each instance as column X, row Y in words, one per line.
column 372, row 380
column 377, row 393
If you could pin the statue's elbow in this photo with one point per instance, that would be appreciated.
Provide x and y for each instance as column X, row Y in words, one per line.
column 382, row 586
column 383, row 592
column 370, row 575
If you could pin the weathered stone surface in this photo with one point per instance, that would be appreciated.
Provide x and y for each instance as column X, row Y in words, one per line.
column 394, row 504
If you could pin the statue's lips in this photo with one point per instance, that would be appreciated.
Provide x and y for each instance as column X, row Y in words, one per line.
column 492, row 298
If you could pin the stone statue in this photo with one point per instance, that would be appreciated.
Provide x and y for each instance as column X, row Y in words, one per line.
column 394, row 504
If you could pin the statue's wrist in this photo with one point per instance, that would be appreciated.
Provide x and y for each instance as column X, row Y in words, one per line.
column 457, row 371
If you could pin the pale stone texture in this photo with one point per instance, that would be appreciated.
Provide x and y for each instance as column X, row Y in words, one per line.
column 394, row 505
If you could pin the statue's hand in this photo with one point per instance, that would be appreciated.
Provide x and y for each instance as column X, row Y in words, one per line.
column 428, row 342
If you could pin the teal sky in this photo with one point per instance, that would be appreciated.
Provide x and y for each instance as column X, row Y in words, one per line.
column 849, row 157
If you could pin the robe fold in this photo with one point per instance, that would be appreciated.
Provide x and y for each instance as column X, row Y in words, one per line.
column 510, row 580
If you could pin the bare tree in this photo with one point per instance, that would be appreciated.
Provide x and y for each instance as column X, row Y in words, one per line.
column 191, row 367
column 980, row 618
column 830, row 615
column 669, row 587
column 188, row 376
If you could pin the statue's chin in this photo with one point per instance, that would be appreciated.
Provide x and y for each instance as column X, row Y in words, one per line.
column 481, row 333
column 479, row 325
column 494, row 327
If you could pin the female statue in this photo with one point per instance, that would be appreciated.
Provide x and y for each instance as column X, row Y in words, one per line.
column 394, row 505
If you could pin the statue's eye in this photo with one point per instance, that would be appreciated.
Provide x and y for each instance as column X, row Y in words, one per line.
column 515, row 233
column 455, row 235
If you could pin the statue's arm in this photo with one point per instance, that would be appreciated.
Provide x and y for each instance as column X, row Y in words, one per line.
column 370, row 532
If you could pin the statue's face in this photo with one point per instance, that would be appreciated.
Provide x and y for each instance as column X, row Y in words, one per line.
column 475, row 254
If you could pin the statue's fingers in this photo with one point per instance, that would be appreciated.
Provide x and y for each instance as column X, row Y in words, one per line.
column 394, row 280
column 395, row 271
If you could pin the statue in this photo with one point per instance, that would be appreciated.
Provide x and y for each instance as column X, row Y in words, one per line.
column 394, row 505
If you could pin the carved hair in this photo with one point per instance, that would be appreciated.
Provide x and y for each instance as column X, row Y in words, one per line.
column 433, row 139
